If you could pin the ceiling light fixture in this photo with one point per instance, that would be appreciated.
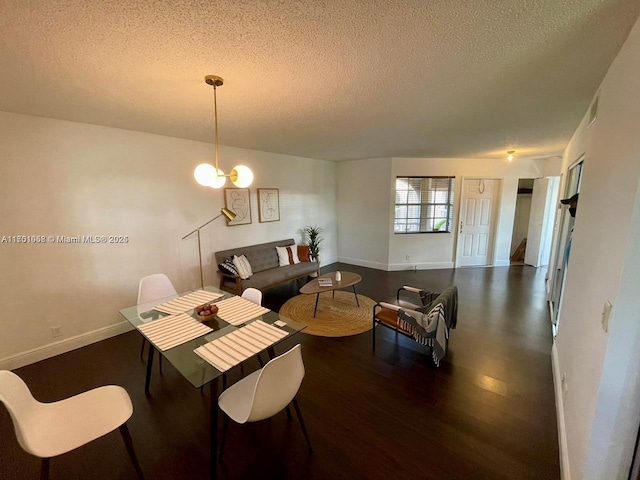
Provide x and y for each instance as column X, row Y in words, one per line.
column 510, row 154
column 210, row 176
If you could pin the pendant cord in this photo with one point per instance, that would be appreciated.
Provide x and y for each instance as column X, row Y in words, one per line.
column 215, row 113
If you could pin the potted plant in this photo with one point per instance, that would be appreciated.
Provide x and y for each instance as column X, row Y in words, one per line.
column 311, row 237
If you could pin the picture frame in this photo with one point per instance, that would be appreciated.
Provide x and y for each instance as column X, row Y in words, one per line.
column 268, row 205
column 238, row 201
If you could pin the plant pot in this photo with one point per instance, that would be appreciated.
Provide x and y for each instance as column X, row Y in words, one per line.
column 316, row 258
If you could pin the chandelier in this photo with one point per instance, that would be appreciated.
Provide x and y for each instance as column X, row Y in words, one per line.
column 206, row 174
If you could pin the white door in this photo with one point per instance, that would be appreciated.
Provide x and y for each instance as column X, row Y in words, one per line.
column 477, row 212
column 545, row 192
column 565, row 223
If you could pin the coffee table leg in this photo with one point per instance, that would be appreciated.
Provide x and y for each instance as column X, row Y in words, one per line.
column 354, row 292
column 316, row 309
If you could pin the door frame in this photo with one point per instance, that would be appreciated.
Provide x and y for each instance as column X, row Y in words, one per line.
column 561, row 235
column 494, row 221
column 551, row 192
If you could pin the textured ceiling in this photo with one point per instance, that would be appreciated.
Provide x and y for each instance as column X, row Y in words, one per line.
column 330, row 79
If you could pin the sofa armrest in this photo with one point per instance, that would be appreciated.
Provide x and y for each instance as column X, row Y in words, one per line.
column 426, row 297
column 226, row 276
column 389, row 306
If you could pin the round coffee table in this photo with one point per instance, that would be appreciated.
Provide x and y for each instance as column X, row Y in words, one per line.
column 349, row 279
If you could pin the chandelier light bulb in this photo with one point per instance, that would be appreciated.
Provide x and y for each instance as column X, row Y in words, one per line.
column 205, row 174
column 241, row 176
column 218, row 180
column 510, row 154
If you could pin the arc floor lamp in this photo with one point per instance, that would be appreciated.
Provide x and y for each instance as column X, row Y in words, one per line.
column 229, row 216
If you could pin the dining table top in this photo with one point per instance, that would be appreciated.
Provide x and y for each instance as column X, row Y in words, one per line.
column 192, row 366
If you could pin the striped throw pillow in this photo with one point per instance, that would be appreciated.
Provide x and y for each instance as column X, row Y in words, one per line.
column 228, row 267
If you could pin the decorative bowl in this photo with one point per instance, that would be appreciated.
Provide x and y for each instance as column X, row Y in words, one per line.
column 206, row 312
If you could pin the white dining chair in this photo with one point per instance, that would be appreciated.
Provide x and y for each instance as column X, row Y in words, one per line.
column 50, row 429
column 264, row 393
column 154, row 287
column 253, row 295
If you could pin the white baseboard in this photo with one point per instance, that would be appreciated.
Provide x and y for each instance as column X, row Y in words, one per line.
column 502, row 263
column 363, row 263
column 63, row 346
column 394, row 267
column 565, row 471
column 327, row 261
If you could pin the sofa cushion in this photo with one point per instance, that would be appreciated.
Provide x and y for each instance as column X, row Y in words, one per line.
column 303, row 253
column 390, row 317
column 228, row 267
column 287, row 255
column 243, row 266
column 275, row 276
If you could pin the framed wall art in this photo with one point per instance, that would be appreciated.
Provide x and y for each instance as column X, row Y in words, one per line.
column 268, row 205
column 237, row 200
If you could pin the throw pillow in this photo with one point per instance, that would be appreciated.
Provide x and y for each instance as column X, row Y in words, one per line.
column 243, row 266
column 303, row 253
column 287, row 255
column 228, row 267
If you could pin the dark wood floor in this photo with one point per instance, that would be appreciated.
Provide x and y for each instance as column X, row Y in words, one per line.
column 486, row 413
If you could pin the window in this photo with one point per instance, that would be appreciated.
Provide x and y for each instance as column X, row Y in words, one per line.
column 424, row 204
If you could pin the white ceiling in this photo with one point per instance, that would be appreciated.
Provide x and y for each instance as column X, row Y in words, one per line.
column 329, row 79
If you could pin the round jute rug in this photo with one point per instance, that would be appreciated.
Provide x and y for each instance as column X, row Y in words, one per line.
column 336, row 317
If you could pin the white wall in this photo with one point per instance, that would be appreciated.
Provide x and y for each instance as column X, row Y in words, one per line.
column 65, row 178
column 601, row 392
column 364, row 199
column 550, row 166
column 617, row 412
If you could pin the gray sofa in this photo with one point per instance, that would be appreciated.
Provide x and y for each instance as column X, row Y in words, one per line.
column 265, row 266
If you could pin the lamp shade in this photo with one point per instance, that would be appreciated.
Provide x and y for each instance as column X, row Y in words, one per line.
column 204, row 174
column 218, row 180
column 241, row 176
column 228, row 213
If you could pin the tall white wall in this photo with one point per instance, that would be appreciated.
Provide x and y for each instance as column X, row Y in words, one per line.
column 600, row 407
column 65, row 178
column 364, row 197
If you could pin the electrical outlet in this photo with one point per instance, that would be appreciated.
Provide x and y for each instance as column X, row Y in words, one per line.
column 407, row 258
column 606, row 314
column 56, row 331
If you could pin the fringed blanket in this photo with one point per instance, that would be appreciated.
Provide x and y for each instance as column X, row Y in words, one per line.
column 432, row 328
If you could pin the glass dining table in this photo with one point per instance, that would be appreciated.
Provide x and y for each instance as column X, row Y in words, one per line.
column 192, row 366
